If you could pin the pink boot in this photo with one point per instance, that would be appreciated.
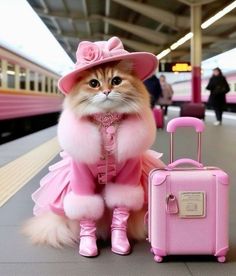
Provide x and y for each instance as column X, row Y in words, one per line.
column 119, row 241
column 88, row 245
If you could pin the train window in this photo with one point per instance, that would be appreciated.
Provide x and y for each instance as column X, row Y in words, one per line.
column 52, row 85
column 46, row 84
column 10, row 75
column 235, row 87
column 56, row 86
column 32, row 80
column 40, row 82
column 22, row 78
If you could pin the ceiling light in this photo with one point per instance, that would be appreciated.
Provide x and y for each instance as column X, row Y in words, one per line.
column 204, row 25
column 218, row 15
column 181, row 41
column 163, row 53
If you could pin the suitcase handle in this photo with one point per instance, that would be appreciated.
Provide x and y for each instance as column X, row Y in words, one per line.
column 185, row 122
column 184, row 161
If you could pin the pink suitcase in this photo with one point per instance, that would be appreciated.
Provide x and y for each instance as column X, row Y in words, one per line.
column 158, row 116
column 188, row 206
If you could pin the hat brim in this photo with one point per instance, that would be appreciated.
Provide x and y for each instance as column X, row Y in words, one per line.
column 144, row 65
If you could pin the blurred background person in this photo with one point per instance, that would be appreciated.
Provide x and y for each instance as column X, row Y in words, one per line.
column 218, row 87
column 154, row 88
column 167, row 93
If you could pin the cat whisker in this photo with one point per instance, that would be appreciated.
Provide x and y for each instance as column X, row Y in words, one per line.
column 132, row 105
column 129, row 100
column 83, row 100
column 86, row 105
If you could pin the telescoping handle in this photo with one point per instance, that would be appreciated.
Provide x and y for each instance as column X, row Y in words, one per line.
column 185, row 122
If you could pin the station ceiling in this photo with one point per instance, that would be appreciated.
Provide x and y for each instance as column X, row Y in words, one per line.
column 143, row 25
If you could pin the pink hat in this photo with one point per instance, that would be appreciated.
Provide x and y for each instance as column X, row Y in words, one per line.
column 90, row 54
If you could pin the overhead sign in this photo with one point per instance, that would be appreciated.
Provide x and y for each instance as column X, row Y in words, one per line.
column 175, row 67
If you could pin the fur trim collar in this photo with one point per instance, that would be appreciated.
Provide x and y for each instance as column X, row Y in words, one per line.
column 81, row 138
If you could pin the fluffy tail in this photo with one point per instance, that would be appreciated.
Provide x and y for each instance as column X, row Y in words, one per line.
column 51, row 229
column 137, row 229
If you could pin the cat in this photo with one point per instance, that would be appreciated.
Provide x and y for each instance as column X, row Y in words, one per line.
column 110, row 88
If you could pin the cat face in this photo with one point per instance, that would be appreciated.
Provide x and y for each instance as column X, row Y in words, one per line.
column 111, row 87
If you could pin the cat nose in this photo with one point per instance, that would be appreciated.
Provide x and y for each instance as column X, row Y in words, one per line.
column 107, row 92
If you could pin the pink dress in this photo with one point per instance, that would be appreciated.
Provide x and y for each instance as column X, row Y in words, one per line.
column 87, row 179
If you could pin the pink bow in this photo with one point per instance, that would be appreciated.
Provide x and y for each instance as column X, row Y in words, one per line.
column 89, row 52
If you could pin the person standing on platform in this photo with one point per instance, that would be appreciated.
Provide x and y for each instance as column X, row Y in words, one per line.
column 218, row 87
column 167, row 93
column 154, row 88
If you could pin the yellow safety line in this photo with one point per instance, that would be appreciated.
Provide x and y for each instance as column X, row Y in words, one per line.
column 17, row 173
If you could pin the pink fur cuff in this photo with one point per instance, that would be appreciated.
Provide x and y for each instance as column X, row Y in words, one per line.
column 85, row 206
column 120, row 195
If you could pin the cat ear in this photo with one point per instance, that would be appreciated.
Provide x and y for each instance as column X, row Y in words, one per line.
column 126, row 65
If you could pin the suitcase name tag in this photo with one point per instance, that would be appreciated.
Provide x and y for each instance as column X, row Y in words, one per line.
column 192, row 204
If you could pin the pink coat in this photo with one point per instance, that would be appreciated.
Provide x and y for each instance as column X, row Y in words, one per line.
column 81, row 170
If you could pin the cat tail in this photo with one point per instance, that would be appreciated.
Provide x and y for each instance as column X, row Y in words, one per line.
column 51, row 229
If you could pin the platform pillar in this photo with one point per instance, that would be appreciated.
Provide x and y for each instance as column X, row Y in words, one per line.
column 196, row 51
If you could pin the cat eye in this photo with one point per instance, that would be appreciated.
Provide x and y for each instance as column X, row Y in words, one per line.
column 116, row 81
column 94, row 83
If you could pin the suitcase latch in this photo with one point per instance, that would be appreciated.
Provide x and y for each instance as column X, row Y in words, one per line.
column 172, row 204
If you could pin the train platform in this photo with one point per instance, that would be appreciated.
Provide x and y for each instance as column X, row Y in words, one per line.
column 25, row 161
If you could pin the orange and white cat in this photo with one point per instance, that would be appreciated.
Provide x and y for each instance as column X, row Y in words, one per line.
column 98, row 189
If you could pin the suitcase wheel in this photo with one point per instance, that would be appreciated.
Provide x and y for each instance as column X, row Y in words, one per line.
column 158, row 259
column 221, row 259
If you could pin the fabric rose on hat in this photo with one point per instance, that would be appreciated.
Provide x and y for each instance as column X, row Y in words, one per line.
column 88, row 52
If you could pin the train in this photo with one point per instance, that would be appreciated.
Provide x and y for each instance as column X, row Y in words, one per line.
column 29, row 97
column 182, row 91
